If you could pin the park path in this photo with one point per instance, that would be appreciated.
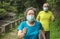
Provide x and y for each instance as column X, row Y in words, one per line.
column 11, row 35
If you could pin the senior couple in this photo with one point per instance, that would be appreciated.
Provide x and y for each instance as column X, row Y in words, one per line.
column 36, row 27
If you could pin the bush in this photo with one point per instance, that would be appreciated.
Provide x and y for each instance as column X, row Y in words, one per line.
column 12, row 9
column 3, row 12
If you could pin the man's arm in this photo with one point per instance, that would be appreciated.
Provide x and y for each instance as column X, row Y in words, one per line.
column 52, row 18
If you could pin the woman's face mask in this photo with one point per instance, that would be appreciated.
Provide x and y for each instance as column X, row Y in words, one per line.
column 30, row 18
column 45, row 8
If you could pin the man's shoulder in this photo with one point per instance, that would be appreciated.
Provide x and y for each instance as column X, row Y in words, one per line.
column 40, row 12
column 43, row 11
column 50, row 12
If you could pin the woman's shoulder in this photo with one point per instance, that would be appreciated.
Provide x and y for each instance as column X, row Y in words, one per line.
column 23, row 22
column 37, row 22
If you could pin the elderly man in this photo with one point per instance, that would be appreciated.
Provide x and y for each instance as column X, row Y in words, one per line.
column 45, row 17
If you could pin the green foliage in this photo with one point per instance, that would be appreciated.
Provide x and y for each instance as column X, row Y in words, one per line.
column 3, row 12
column 20, row 5
column 5, row 7
column 55, row 30
column 11, row 9
column 55, row 27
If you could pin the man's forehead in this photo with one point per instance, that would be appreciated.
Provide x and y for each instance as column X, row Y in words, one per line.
column 46, row 4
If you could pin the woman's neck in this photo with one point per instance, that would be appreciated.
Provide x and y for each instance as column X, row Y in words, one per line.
column 31, row 23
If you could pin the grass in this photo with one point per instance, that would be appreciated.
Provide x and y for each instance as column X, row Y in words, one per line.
column 54, row 30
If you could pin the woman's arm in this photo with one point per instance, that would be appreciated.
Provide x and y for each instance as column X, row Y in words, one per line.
column 21, row 33
column 43, row 34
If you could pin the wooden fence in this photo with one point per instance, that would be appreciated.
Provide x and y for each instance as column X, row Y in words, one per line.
column 6, row 27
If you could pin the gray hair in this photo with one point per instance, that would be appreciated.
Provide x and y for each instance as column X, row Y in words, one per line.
column 30, row 8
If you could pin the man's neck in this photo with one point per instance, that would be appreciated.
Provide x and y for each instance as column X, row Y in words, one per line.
column 45, row 11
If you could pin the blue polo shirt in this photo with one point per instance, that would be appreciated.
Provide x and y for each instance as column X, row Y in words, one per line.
column 32, row 31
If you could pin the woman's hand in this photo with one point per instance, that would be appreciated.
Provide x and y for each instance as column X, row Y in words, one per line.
column 24, row 30
column 21, row 33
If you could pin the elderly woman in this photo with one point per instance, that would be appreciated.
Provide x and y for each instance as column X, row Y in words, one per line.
column 31, row 28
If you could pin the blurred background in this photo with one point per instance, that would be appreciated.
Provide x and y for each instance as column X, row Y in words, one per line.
column 12, row 13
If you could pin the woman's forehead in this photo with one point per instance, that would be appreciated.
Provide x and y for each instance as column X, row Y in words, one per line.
column 30, row 11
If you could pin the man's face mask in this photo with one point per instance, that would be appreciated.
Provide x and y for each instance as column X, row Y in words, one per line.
column 45, row 8
column 30, row 18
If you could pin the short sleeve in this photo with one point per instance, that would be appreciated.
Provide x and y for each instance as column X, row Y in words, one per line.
column 21, row 26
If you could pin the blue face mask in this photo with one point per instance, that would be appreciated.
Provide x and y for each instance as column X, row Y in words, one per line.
column 45, row 8
column 30, row 18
